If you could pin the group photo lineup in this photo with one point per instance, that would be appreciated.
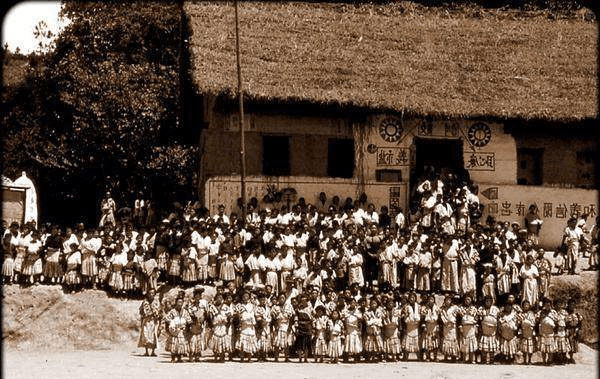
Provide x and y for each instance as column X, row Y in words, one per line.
column 339, row 188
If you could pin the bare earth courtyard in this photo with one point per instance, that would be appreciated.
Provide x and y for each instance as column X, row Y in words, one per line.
column 130, row 364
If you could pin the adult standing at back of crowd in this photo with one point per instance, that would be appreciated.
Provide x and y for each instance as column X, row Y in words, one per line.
column 108, row 207
column 572, row 238
column 533, row 223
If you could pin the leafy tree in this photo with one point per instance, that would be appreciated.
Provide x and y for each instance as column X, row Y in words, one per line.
column 102, row 109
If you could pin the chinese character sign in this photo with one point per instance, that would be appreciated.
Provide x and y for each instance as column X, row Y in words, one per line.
column 392, row 156
column 480, row 161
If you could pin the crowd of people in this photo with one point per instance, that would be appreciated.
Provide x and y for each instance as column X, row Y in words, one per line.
column 333, row 280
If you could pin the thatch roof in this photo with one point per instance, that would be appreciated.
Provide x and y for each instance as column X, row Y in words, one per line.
column 382, row 57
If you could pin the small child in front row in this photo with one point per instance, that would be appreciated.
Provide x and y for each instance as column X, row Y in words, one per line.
column 72, row 277
column 335, row 329
column 527, row 322
column 320, row 331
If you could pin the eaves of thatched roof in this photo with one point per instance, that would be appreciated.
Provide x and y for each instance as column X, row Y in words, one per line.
column 383, row 57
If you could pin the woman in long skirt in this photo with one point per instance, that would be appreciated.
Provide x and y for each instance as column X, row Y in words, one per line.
column 149, row 314
column 561, row 339
column 529, row 277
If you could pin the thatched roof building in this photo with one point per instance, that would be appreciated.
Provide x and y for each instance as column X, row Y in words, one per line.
column 389, row 58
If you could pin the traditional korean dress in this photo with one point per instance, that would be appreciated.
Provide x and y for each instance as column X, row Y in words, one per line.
column 450, row 268
column 489, row 286
column 227, row 271
column 21, row 252
column 504, row 271
column 469, row 258
column 272, row 267
column 544, row 269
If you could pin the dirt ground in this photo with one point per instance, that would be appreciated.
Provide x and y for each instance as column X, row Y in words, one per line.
column 130, row 364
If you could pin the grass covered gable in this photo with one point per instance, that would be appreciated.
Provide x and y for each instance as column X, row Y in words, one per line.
column 425, row 62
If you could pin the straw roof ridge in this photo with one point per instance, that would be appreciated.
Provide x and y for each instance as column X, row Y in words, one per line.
column 385, row 58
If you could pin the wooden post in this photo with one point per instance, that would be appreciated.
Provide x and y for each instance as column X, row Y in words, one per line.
column 241, row 105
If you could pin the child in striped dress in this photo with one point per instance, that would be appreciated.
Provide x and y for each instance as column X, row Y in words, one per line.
column 352, row 326
column 507, row 325
column 468, row 329
column 335, row 328
column 430, row 341
column 72, row 278
column 412, row 320
column 220, row 341
column 547, row 324
column 574, row 320
column 448, row 314
column 374, row 323
column 391, row 325
column 227, row 269
column 560, row 337
column 246, row 342
column 527, row 322
column 320, row 329
column 488, row 343
column 262, row 314
column 282, row 313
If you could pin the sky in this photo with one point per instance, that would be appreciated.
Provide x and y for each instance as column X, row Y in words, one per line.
column 20, row 21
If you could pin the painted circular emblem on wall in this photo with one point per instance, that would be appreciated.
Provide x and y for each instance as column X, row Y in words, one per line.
column 390, row 129
column 372, row 148
column 479, row 134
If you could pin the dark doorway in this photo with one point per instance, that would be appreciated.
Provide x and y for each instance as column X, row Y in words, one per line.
column 436, row 156
column 340, row 158
column 276, row 155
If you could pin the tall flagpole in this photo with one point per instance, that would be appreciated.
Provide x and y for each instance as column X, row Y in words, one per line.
column 241, row 100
